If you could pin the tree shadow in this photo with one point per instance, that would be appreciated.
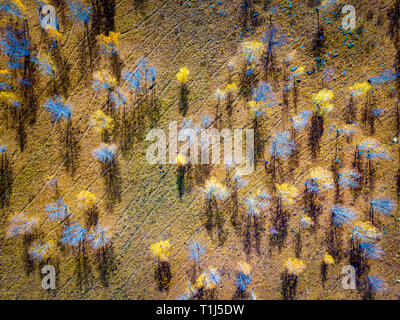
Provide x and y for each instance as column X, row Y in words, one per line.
column 64, row 68
column 240, row 295
column 247, row 82
column 215, row 219
column 298, row 244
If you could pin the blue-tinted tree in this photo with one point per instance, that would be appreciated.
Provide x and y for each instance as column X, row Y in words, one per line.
column 256, row 205
column 58, row 210
column 301, row 121
column 45, row 64
column 273, row 40
column 119, row 98
column 348, row 179
column 263, row 94
column 365, row 232
column 373, row 151
column 134, row 79
column 139, row 79
column 80, row 11
column 242, row 281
